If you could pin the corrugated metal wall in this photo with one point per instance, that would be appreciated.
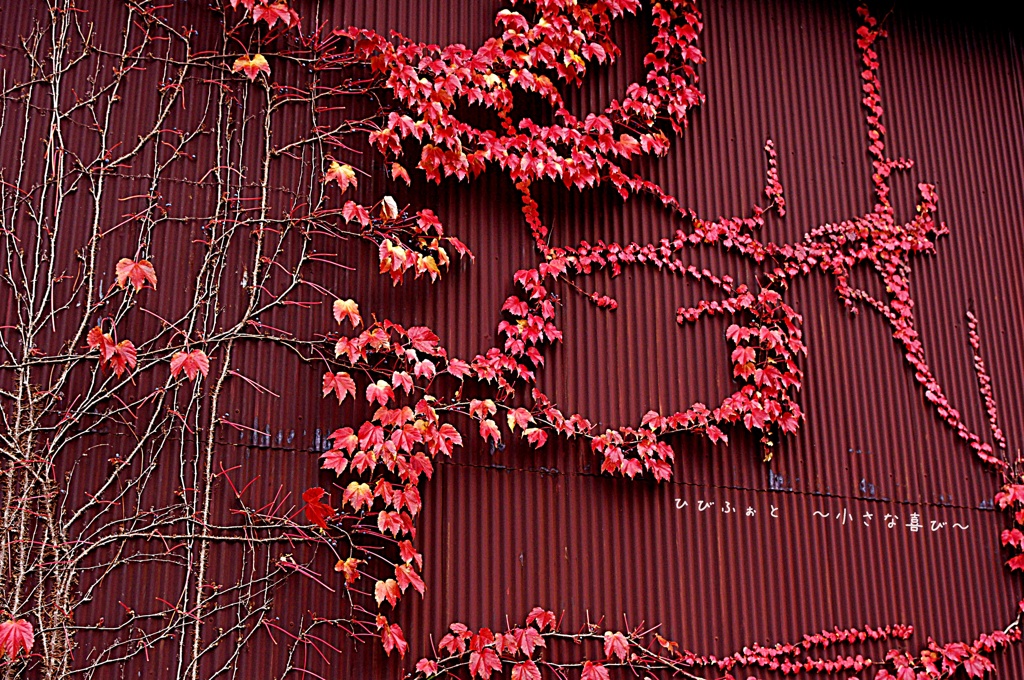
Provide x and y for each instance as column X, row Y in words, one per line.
column 504, row 531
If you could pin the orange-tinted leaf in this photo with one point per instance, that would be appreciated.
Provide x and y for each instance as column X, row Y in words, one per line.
column 347, row 309
column 357, row 495
column 251, row 67
column 343, row 174
column 399, row 172
column 388, row 208
column 137, row 272
column 386, row 590
column 349, row 568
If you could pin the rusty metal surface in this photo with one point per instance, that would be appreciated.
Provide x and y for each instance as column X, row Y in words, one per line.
column 503, row 531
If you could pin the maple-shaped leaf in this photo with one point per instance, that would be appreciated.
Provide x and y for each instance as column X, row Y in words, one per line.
column 193, row 363
column 541, row 617
column 333, row 459
column 380, row 392
column 399, row 172
column 392, row 637
column 251, row 67
column 340, row 383
column 1016, row 563
column 423, row 339
column 358, row 494
column 407, row 576
column 976, row 666
column 489, row 430
column 347, row 309
column 353, row 211
column 123, row 358
column 316, row 510
column 137, row 272
column 15, row 635
column 520, row 417
column 526, row 670
column 342, row 173
column 483, row 662
column 527, row 639
column 615, row 644
column 594, row 671
column 349, row 568
column 386, row 590
column 427, row 667
column 536, row 436
column 97, row 339
column 274, row 12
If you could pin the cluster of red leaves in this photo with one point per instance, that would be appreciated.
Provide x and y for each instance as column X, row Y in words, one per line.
column 945, row 661
column 422, row 87
column 984, row 382
column 525, row 650
column 406, row 241
column 387, row 456
column 119, row 356
column 426, row 83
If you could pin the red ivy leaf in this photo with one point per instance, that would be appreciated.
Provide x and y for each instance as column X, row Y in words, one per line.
column 615, row 644
column 15, row 635
column 426, row 667
column 316, row 511
column 542, row 617
column 391, row 636
column 97, row 339
column 137, row 272
column 526, row 670
column 124, row 357
column 272, row 13
column 407, row 576
column 353, row 211
column 483, row 662
column 335, row 460
column 594, row 671
column 380, row 392
column 341, row 384
column 423, row 339
column 193, row 363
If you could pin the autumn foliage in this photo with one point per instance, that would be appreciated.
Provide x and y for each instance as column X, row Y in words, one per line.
column 150, row 365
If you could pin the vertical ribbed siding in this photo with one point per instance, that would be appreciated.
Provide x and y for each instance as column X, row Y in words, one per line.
column 543, row 528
